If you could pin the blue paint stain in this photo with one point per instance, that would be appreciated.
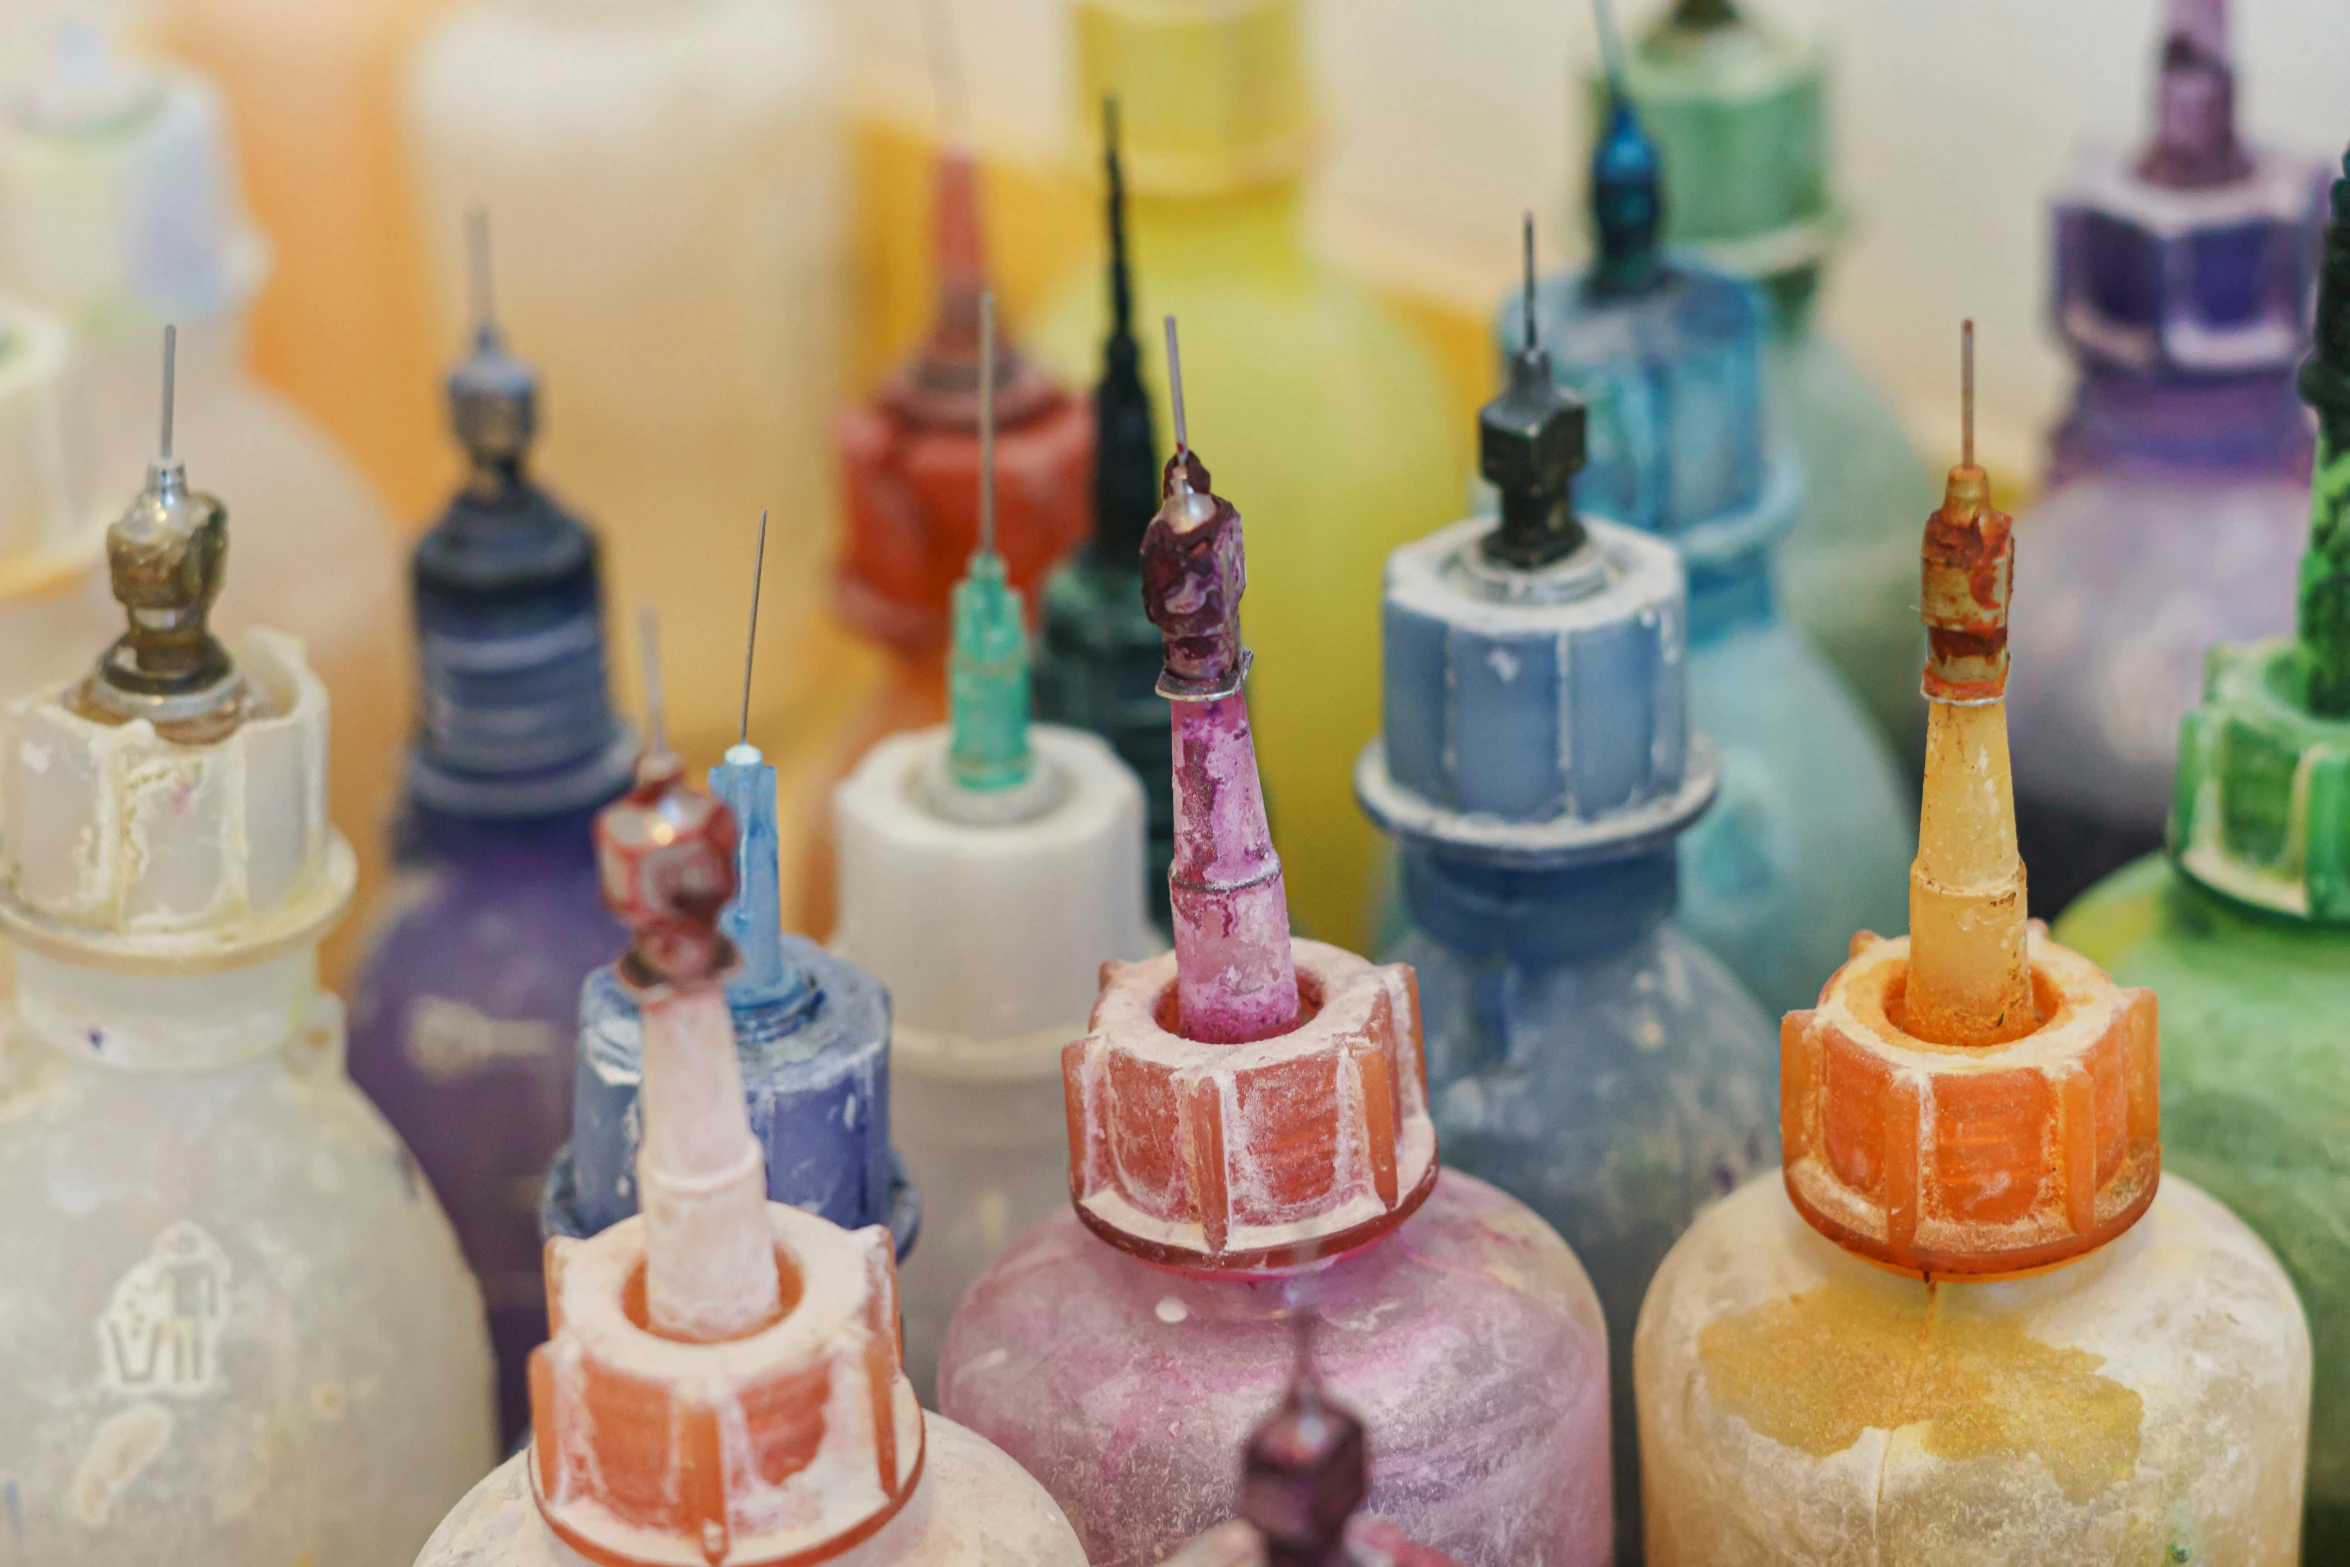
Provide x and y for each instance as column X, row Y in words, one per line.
column 14, row 1502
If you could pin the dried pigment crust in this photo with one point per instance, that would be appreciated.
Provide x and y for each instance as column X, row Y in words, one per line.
column 1814, row 1371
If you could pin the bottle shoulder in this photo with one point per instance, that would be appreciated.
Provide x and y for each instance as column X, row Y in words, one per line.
column 972, row 1507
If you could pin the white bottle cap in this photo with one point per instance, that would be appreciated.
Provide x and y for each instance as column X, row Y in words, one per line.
column 990, row 936
column 50, row 532
column 129, row 851
column 119, row 196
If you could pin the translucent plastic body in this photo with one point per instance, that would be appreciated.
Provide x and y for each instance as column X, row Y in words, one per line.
column 462, row 1022
column 2134, row 572
column 1616, row 1078
column 239, row 1329
column 1810, row 834
column 314, row 551
column 665, row 178
column 312, row 97
column 2255, row 1103
column 1468, row 1340
column 2144, row 1403
column 1849, row 567
column 973, row 1508
column 1330, row 431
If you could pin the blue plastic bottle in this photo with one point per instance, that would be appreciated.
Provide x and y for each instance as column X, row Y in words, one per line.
column 1536, row 770
column 1810, row 837
column 814, row 1035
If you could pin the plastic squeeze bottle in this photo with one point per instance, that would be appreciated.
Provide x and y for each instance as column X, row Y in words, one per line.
column 1537, row 770
column 910, row 475
column 119, row 209
column 1303, row 1478
column 2178, row 479
column 1248, row 1134
column 467, row 1001
column 239, row 1326
column 669, row 184
column 723, row 1385
column 53, row 591
column 1739, row 110
column 2243, row 927
column 989, row 866
column 1806, row 836
column 1321, row 404
column 1966, row 1323
column 812, row 1031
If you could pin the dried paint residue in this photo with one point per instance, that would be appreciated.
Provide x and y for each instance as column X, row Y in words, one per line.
column 1814, row 1371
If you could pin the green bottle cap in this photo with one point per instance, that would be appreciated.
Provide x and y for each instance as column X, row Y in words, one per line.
column 2262, row 809
column 987, row 666
column 1741, row 116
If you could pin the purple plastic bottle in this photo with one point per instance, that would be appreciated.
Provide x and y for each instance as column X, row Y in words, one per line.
column 466, row 1006
column 2178, row 495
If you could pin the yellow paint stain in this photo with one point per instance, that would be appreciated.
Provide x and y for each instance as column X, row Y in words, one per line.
column 1813, row 1371
column 120, row 1450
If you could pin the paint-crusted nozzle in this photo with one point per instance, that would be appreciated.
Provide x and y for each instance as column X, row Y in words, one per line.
column 2194, row 144
column 988, row 667
column 1230, row 908
column 1969, row 569
column 2324, row 591
column 1530, row 447
column 168, row 556
column 1627, row 184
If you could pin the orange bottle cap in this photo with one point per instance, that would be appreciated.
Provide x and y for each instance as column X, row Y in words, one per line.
column 1254, row 1157
column 790, row 1445
column 1971, row 1160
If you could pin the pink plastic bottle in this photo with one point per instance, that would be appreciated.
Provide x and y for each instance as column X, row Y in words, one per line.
column 1302, row 1481
column 1249, row 1136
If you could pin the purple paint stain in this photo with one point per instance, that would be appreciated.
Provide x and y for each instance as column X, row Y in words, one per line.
column 1235, row 979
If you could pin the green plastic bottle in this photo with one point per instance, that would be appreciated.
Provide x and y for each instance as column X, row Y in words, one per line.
column 1317, row 401
column 2242, row 927
column 1740, row 113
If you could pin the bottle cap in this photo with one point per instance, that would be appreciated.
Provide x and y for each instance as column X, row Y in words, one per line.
column 2262, row 808
column 790, row 1445
column 990, row 937
column 1739, row 112
column 1535, row 717
column 1971, row 1161
column 50, row 531
column 515, row 717
column 1251, row 1157
column 910, row 459
column 2196, row 257
column 118, row 195
column 1214, row 97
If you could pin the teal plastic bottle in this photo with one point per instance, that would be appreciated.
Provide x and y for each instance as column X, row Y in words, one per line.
column 1739, row 111
column 1810, row 835
column 2242, row 927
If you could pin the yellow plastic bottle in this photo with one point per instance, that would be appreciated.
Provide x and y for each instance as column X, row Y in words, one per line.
column 1315, row 398
column 312, row 93
column 666, row 181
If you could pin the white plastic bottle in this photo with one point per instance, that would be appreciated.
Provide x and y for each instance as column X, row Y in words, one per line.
column 237, row 1327
column 666, row 178
column 119, row 209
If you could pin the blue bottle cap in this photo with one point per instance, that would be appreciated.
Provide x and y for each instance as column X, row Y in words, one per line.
column 1536, row 717
column 514, row 716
